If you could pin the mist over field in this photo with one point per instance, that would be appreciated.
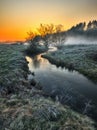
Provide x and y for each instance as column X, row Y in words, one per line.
column 73, row 40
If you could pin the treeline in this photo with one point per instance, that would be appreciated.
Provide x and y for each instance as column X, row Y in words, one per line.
column 46, row 34
column 89, row 30
column 50, row 34
column 51, row 30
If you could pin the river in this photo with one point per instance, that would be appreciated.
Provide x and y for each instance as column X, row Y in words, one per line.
column 56, row 79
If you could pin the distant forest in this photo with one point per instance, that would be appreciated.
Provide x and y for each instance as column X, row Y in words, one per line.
column 89, row 30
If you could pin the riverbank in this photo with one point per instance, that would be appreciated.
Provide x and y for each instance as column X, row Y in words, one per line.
column 13, row 68
column 32, row 51
column 82, row 58
column 37, row 46
column 23, row 105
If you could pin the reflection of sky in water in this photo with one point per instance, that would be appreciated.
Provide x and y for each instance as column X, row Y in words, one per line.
column 52, row 77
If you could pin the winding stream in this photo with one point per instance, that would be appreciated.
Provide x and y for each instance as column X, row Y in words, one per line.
column 55, row 80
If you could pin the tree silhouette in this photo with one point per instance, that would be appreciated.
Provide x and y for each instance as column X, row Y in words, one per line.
column 31, row 35
column 45, row 29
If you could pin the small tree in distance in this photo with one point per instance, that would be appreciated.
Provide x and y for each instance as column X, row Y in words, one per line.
column 45, row 29
column 31, row 35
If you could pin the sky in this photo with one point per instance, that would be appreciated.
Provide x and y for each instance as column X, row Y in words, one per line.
column 19, row 16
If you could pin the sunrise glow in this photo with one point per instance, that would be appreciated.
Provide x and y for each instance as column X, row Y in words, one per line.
column 20, row 16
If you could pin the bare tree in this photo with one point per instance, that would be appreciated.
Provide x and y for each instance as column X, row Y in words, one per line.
column 58, row 28
column 58, row 36
column 45, row 29
column 31, row 35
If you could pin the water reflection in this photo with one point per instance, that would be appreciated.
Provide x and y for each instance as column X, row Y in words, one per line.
column 68, row 87
column 36, row 61
column 53, row 78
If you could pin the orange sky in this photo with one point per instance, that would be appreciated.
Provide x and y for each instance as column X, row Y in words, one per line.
column 19, row 16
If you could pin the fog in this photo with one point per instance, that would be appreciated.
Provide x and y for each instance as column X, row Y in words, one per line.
column 79, row 40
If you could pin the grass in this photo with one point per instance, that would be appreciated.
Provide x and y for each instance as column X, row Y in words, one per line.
column 38, row 113
column 13, row 67
column 82, row 58
column 24, row 107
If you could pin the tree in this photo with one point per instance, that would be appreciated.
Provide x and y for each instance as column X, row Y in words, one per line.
column 45, row 29
column 35, row 47
column 31, row 35
column 59, row 36
column 59, row 28
column 49, row 33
